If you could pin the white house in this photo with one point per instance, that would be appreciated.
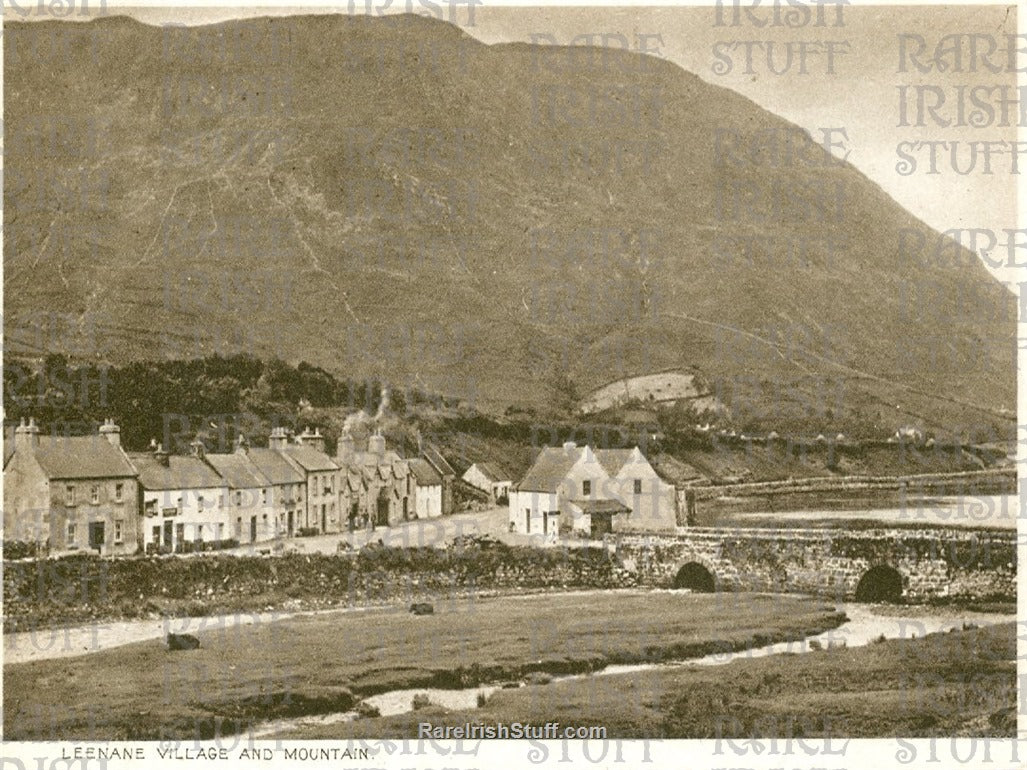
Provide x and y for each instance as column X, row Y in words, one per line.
column 590, row 492
column 488, row 478
column 185, row 502
column 427, row 489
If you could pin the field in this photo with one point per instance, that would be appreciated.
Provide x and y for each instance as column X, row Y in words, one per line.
column 325, row 662
column 960, row 684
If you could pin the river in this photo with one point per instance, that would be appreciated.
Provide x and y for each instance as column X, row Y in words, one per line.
column 866, row 622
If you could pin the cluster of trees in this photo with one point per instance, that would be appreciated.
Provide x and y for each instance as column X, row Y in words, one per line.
column 68, row 397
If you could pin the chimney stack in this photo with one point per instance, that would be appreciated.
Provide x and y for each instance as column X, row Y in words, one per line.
column 161, row 456
column 312, row 438
column 26, row 435
column 376, row 444
column 278, row 439
column 241, row 444
column 569, row 446
column 111, row 432
column 198, row 447
column 344, row 452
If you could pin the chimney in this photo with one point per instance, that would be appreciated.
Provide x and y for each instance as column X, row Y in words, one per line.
column 26, row 435
column 241, row 444
column 198, row 447
column 344, row 452
column 111, row 432
column 278, row 439
column 312, row 438
column 161, row 456
column 376, row 444
column 569, row 446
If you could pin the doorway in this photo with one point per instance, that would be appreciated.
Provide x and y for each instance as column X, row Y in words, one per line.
column 96, row 535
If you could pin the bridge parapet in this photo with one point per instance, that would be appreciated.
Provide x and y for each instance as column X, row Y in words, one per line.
column 925, row 563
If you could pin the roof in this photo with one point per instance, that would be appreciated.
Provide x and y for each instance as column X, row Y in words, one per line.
column 613, row 460
column 438, row 462
column 181, row 472
column 238, row 470
column 82, row 457
column 549, row 469
column 274, row 467
column 491, row 472
column 601, row 507
column 424, row 472
column 310, row 458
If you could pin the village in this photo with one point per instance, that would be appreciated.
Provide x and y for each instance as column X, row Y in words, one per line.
column 87, row 494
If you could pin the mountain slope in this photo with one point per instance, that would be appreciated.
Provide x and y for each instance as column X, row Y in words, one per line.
column 389, row 197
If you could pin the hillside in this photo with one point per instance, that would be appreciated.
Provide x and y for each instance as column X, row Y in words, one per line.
column 390, row 198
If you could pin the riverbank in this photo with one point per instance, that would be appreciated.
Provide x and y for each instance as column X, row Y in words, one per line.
column 319, row 664
column 960, row 683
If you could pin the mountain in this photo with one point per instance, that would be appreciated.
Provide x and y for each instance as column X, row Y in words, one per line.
column 389, row 197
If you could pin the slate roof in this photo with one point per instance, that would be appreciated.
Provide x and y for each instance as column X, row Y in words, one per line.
column 613, row 460
column 310, row 458
column 491, row 472
column 274, row 467
column 181, row 472
column 238, row 470
column 438, row 462
column 549, row 469
column 82, row 457
column 425, row 474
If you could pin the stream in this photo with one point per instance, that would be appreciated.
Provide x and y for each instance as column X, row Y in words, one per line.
column 866, row 623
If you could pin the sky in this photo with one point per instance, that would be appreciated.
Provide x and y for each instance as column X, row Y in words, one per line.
column 858, row 89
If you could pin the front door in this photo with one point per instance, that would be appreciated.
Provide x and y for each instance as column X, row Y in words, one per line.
column 96, row 535
column 290, row 523
column 169, row 534
column 383, row 509
column 253, row 529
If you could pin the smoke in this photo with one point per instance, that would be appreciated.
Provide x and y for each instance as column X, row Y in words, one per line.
column 361, row 419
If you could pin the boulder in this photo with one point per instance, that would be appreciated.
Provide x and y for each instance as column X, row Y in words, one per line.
column 182, row 642
column 422, row 608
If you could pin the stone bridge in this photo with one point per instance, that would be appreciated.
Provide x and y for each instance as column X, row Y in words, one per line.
column 865, row 565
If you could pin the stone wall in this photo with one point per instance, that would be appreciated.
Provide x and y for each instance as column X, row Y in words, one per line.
column 934, row 564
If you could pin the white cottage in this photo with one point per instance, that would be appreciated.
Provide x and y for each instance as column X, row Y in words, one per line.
column 488, row 478
column 590, row 492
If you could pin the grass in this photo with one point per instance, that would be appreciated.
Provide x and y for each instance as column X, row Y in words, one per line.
column 324, row 663
column 960, row 684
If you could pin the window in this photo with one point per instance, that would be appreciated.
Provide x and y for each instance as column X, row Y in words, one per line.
column 221, row 500
column 238, row 497
column 69, row 494
column 199, row 502
column 638, row 486
column 94, row 494
column 119, row 492
column 263, row 496
column 119, row 526
column 178, row 504
column 586, row 487
column 71, row 533
column 151, row 507
column 221, row 531
column 199, row 532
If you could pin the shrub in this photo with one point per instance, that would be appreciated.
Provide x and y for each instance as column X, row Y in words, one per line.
column 421, row 701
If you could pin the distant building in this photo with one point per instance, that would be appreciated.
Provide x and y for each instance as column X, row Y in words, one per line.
column 434, row 457
column 427, row 489
column 488, row 478
column 183, row 500
column 590, row 492
column 321, row 476
column 377, row 488
column 72, row 492
column 288, row 484
column 251, row 507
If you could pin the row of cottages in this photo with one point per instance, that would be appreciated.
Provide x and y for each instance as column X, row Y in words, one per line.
column 590, row 492
column 489, row 479
column 87, row 493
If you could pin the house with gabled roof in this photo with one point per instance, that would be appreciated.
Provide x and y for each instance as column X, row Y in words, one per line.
column 184, row 500
column 490, row 479
column 378, row 488
column 427, row 488
column 251, row 508
column 288, row 485
column 590, row 492
column 70, row 493
column 434, row 457
column 321, row 478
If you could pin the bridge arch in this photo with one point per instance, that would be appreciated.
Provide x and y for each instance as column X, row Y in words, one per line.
column 695, row 576
column 880, row 583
